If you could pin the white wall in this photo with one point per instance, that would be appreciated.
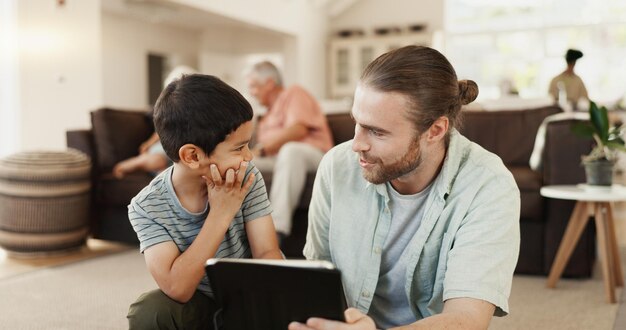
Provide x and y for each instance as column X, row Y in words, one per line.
column 309, row 48
column 278, row 15
column 9, row 78
column 225, row 53
column 302, row 24
column 367, row 14
column 59, row 76
column 126, row 43
column 229, row 53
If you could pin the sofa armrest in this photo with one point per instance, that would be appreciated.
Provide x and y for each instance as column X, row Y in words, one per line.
column 561, row 162
column 82, row 140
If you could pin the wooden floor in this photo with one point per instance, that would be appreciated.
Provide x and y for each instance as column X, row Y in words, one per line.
column 15, row 264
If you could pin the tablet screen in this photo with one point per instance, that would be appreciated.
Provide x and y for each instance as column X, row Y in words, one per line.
column 264, row 294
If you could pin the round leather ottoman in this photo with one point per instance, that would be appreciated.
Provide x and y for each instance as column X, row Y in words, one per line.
column 44, row 201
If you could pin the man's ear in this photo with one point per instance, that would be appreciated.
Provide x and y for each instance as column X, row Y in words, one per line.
column 190, row 155
column 437, row 131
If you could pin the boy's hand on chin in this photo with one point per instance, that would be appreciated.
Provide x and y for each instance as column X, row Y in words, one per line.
column 227, row 194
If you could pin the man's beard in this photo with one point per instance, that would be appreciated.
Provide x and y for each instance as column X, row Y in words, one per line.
column 382, row 173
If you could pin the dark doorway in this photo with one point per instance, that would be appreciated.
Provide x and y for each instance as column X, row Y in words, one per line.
column 156, row 68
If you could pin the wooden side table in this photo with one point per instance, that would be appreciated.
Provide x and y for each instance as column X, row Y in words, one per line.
column 594, row 201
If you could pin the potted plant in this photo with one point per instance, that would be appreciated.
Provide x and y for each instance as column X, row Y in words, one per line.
column 609, row 142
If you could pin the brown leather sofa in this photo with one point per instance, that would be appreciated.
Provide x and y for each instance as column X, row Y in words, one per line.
column 511, row 135
column 117, row 134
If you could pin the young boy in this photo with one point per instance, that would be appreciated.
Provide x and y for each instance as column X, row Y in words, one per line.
column 211, row 203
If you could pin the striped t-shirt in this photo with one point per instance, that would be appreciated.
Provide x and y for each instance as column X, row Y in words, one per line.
column 157, row 216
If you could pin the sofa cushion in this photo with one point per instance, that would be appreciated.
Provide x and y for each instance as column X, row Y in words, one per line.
column 118, row 134
column 509, row 134
column 526, row 178
column 115, row 192
column 529, row 183
column 562, row 152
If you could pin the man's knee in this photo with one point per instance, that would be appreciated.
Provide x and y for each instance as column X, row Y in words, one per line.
column 290, row 150
column 154, row 310
column 298, row 154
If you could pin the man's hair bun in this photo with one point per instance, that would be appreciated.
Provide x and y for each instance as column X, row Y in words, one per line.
column 468, row 91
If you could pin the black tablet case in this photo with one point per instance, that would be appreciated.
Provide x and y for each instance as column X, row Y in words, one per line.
column 261, row 296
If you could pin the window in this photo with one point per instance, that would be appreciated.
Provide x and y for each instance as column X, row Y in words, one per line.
column 523, row 42
column 343, row 67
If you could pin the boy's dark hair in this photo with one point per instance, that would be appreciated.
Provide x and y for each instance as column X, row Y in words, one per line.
column 198, row 109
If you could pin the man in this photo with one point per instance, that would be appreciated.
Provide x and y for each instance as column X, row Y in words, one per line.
column 292, row 138
column 569, row 81
column 422, row 223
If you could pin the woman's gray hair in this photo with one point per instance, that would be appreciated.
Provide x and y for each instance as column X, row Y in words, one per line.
column 267, row 70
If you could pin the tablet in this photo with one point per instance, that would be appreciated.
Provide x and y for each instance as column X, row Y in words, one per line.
column 269, row 294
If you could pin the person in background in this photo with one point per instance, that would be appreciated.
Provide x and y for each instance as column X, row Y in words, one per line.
column 292, row 138
column 568, row 84
column 422, row 223
column 151, row 157
column 211, row 203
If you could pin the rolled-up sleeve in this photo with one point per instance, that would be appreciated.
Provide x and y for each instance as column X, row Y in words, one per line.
column 485, row 248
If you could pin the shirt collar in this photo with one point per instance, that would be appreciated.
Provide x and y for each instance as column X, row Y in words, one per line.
column 454, row 156
column 381, row 189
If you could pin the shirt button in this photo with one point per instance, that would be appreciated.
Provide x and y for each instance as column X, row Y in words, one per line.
column 365, row 294
column 378, row 250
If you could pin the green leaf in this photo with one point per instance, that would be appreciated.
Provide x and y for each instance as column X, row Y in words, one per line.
column 583, row 129
column 616, row 145
column 616, row 138
column 600, row 120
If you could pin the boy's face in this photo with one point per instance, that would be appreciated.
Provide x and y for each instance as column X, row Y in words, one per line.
column 230, row 152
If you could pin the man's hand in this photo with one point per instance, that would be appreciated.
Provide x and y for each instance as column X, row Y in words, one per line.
column 355, row 320
column 228, row 193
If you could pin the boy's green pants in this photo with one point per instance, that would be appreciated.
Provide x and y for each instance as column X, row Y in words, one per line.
column 155, row 310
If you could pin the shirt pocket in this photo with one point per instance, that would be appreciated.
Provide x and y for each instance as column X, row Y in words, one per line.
column 434, row 288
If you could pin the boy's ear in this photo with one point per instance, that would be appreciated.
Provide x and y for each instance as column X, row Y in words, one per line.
column 190, row 155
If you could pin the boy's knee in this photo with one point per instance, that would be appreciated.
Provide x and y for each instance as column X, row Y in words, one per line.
column 154, row 310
